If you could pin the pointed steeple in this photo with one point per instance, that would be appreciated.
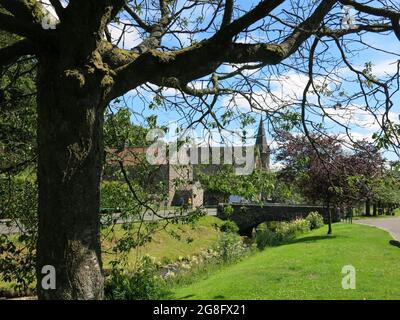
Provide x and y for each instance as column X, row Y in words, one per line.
column 261, row 139
column 262, row 146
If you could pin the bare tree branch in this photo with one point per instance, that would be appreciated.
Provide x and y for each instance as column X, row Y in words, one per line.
column 183, row 64
column 379, row 12
column 11, row 53
column 138, row 20
column 254, row 15
column 13, row 25
column 25, row 10
column 57, row 7
column 227, row 12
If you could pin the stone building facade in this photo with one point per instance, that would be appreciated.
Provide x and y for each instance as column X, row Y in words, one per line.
column 181, row 180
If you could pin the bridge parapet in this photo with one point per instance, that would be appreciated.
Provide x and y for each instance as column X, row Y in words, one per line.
column 249, row 216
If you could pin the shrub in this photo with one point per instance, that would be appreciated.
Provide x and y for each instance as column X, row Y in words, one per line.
column 301, row 226
column 315, row 219
column 287, row 231
column 228, row 210
column 229, row 226
column 267, row 235
column 142, row 284
column 230, row 247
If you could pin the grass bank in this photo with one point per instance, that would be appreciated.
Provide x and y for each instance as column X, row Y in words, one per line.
column 309, row 268
column 164, row 247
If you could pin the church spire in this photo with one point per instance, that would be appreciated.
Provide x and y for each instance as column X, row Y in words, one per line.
column 261, row 140
column 262, row 146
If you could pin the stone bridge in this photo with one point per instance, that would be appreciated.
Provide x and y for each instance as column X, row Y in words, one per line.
column 249, row 216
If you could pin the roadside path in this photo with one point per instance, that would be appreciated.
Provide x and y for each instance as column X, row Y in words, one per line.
column 392, row 225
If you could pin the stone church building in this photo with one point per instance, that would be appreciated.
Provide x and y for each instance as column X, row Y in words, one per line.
column 181, row 180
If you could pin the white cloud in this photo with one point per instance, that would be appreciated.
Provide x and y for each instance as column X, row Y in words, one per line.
column 130, row 35
column 287, row 91
column 356, row 116
column 284, row 91
column 172, row 92
column 385, row 67
column 355, row 136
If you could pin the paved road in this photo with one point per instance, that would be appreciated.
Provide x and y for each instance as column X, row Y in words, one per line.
column 12, row 228
column 392, row 225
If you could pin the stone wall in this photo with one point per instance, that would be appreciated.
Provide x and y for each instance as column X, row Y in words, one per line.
column 249, row 216
column 188, row 188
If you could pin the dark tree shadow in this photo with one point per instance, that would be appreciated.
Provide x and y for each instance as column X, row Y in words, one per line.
column 219, row 297
column 312, row 239
column 187, row 297
column 395, row 243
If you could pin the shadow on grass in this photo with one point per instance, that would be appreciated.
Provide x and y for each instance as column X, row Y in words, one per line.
column 312, row 239
column 395, row 243
column 219, row 297
column 185, row 297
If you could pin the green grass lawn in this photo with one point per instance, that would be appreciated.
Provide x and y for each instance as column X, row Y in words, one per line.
column 309, row 268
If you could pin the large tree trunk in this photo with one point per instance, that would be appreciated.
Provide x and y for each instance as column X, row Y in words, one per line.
column 70, row 120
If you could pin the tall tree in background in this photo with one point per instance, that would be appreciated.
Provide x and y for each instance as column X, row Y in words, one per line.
column 366, row 167
column 387, row 190
column 326, row 173
column 80, row 70
column 313, row 167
